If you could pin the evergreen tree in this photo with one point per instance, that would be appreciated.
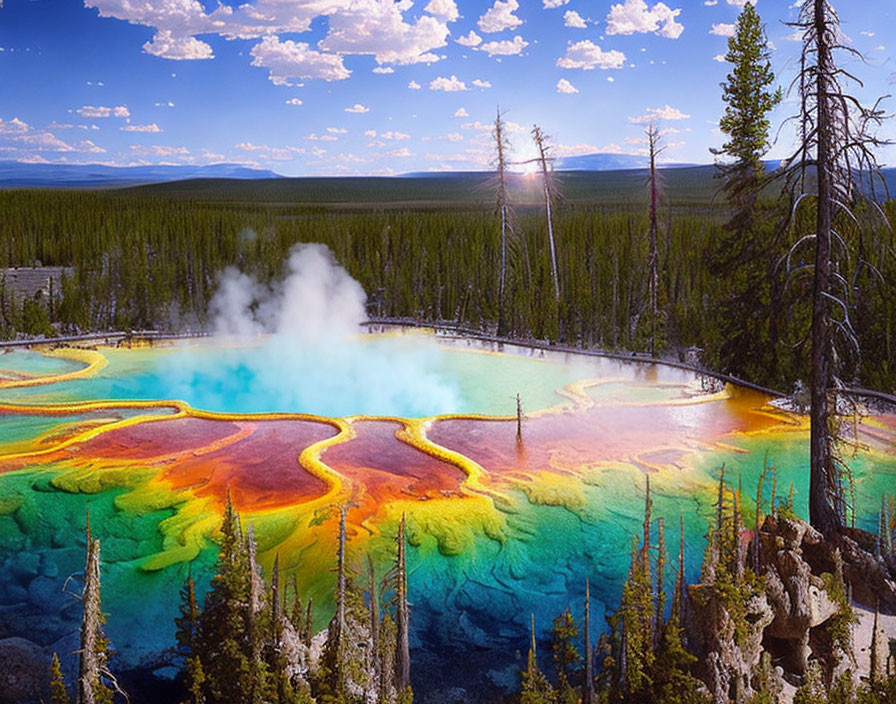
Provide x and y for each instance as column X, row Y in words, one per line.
column 187, row 636
column 223, row 643
column 58, row 692
column 748, row 251
column 536, row 688
column 566, row 657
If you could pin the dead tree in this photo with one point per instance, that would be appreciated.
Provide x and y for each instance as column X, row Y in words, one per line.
column 654, row 148
column 550, row 196
column 402, row 651
column 836, row 146
column 502, row 208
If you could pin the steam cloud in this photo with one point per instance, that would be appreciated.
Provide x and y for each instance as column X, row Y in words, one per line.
column 312, row 357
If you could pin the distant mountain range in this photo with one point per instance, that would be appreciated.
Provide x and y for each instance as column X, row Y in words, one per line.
column 15, row 174
column 614, row 171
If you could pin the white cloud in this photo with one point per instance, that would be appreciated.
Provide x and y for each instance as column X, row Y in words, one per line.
column 294, row 101
column 168, row 104
column 413, row 85
column 656, row 114
column 358, row 109
column 564, row 86
column 383, row 69
column 141, row 128
column 481, row 84
column 710, row 3
column 634, row 16
column 395, row 136
column 573, row 19
column 452, row 137
column 167, row 45
column 448, row 85
column 867, row 34
column 500, row 17
column 504, row 47
column 550, row 4
column 370, row 133
column 446, row 9
column 158, row 150
column 720, row 58
column 337, row 130
column 103, row 111
column 471, row 39
column 377, row 27
column 461, row 112
column 575, row 149
column 741, row 3
column 587, row 55
column 289, row 60
column 398, row 153
column 722, row 30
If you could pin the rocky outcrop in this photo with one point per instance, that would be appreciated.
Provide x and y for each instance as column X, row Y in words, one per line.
column 797, row 595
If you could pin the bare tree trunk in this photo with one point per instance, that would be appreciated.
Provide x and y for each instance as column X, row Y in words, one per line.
column 374, row 623
column 652, row 138
column 546, row 177
column 88, row 661
column 501, row 205
column 821, row 513
column 402, row 651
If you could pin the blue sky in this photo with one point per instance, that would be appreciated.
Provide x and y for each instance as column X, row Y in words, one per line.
column 332, row 87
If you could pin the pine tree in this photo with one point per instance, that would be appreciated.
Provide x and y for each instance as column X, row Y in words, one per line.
column 58, row 692
column 749, row 96
column 566, row 657
column 748, row 251
column 187, row 636
column 223, row 639
column 536, row 689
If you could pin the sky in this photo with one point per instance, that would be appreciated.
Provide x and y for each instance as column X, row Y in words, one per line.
column 379, row 87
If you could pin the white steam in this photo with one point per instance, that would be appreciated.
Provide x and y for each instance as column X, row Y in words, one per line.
column 316, row 300
column 312, row 357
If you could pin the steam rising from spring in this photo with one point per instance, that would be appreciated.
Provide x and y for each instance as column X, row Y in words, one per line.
column 297, row 346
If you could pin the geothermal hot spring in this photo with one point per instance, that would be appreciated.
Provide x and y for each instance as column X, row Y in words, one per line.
column 296, row 411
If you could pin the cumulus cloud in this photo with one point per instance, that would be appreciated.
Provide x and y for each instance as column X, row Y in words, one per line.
column 141, row 128
column 448, row 85
column 564, row 86
column 103, row 111
column 413, row 85
column 720, row 58
column 504, row 47
column 481, row 84
column 394, row 135
column 167, row 45
column 722, row 30
column 446, row 9
column 383, row 69
column 461, row 112
column 358, row 109
column 471, row 39
column 573, row 19
column 587, row 55
column 290, row 61
column 294, row 101
column 634, row 16
column 375, row 27
column 500, row 17
column 656, row 114
column 380, row 30
column 550, row 4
